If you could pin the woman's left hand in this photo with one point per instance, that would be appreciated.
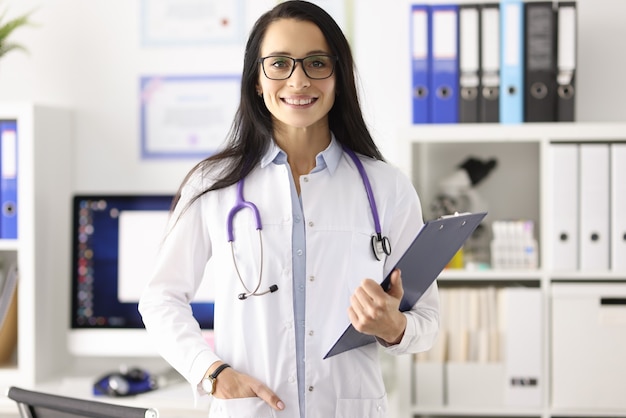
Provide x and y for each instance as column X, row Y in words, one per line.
column 376, row 312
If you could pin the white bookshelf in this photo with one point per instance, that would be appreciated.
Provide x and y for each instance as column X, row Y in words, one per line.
column 41, row 360
column 42, row 247
column 434, row 150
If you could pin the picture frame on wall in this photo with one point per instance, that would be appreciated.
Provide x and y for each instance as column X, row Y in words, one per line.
column 186, row 116
column 191, row 22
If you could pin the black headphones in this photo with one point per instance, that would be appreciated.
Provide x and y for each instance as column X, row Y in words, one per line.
column 125, row 383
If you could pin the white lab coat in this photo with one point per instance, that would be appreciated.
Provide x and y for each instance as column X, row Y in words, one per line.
column 257, row 336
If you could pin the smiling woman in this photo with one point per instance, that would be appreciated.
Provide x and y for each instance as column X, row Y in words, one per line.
column 294, row 265
column 289, row 88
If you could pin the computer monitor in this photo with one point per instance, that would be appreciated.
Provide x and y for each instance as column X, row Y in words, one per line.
column 115, row 241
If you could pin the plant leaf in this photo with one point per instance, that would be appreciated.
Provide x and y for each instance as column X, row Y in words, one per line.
column 7, row 28
column 7, row 47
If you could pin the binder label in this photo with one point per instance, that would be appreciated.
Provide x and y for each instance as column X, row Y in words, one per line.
column 445, row 38
column 9, row 152
column 512, row 35
column 540, row 43
column 420, row 35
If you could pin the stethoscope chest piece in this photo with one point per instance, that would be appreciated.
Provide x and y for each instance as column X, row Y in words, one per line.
column 380, row 246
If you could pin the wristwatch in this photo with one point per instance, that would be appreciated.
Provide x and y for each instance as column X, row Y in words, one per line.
column 209, row 382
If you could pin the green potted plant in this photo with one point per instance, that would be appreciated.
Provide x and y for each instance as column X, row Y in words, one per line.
column 7, row 28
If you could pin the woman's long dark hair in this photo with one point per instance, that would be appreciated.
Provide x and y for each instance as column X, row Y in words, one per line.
column 251, row 131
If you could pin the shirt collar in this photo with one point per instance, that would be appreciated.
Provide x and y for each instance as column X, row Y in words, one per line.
column 273, row 154
column 329, row 158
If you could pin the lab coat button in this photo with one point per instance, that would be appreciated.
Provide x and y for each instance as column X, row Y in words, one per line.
column 311, row 278
column 292, row 379
column 311, row 333
column 305, row 179
column 311, row 388
column 311, row 224
column 299, row 252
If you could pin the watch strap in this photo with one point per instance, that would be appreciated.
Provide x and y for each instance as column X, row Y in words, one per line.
column 219, row 370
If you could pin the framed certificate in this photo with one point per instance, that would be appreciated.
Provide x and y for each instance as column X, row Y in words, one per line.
column 186, row 116
column 180, row 22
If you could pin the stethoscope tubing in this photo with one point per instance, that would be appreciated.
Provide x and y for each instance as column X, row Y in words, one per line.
column 241, row 204
column 368, row 189
column 380, row 244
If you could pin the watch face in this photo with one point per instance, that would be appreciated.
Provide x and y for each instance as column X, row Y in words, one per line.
column 208, row 385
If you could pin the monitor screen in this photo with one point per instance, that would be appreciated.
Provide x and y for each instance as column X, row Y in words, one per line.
column 115, row 241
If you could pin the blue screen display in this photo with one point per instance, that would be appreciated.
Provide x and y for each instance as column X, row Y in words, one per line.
column 96, row 254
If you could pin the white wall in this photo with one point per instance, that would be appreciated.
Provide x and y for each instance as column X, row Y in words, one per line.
column 87, row 55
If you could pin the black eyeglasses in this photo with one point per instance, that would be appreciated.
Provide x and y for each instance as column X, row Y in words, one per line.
column 280, row 67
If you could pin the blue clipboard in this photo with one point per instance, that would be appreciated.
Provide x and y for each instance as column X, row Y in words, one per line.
column 432, row 249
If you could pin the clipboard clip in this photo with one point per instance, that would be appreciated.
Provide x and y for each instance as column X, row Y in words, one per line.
column 454, row 215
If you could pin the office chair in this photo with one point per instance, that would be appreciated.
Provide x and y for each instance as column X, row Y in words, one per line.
column 33, row 404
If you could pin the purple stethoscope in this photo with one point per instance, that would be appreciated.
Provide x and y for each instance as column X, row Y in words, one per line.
column 380, row 244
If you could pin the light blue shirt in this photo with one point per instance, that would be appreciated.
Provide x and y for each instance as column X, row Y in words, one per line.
column 327, row 159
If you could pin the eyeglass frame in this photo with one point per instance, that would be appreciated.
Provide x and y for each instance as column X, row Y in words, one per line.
column 261, row 61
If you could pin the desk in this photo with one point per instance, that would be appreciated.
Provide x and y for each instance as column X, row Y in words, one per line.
column 174, row 401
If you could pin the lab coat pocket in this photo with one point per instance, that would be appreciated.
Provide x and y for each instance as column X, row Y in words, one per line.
column 240, row 408
column 361, row 408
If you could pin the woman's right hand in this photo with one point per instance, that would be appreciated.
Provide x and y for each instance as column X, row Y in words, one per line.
column 232, row 385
